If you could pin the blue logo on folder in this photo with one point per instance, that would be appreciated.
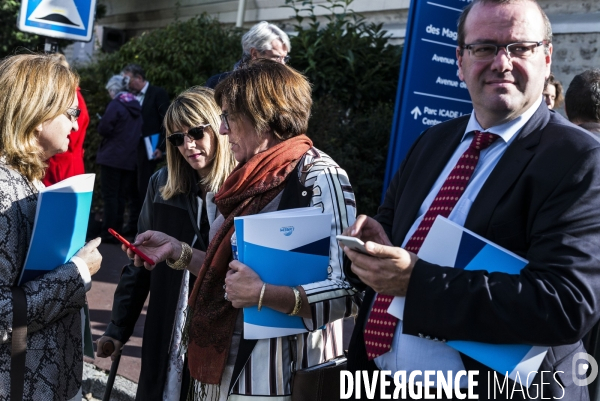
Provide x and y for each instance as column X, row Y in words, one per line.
column 287, row 231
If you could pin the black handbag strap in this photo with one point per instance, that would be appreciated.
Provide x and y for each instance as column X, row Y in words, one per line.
column 294, row 195
column 244, row 352
column 19, row 343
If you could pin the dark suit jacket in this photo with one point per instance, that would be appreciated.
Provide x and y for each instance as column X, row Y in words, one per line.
column 163, row 283
column 154, row 107
column 541, row 202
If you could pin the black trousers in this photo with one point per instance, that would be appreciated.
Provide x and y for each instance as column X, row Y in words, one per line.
column 144, row 170
column 116, row 186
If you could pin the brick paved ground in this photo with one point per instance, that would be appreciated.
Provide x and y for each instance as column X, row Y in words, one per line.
column 100, row 300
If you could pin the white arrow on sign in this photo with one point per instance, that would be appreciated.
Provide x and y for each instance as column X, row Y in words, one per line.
column 416, row 112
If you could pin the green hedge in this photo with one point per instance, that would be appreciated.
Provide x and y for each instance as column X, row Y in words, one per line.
column 175, row 57
column 354, row 71
column 351, row 65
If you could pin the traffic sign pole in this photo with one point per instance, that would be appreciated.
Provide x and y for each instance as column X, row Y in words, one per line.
column 51, row 46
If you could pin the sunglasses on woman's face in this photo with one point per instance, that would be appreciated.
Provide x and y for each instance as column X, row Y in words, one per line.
column 196, row 133
column 73, row 113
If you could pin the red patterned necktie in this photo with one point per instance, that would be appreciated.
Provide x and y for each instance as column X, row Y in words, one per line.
column 379, row 330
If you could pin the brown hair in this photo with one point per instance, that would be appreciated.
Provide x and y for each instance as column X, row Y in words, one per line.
column 34, row 88
column 582, row 101
column 559, row 89
column 271, row 95
column 463, row 18
column 191, row 108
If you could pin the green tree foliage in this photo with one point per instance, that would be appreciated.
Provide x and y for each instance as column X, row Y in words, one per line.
column 13, row 40
column 358, row 144
column 354, row 71
column 175, row 57
column 347, row 57
column 350, row 63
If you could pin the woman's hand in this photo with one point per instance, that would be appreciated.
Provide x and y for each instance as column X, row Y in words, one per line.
column 242, row 285
column 156, row 245
column 91, row 256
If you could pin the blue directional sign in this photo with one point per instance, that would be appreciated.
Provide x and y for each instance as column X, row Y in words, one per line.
column 429, row 90
column 63, row 19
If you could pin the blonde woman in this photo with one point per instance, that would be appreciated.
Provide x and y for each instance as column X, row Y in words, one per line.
column 265, row 109
column 178, row 203
column 38, row 112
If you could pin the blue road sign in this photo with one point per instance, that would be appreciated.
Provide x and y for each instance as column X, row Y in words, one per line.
column 429, row 90
column 63, row 19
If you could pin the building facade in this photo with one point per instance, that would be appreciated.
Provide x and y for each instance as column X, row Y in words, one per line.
column 576, row 24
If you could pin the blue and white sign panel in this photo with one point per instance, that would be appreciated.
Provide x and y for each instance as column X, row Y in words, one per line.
column 429, row 90
column 63, row 19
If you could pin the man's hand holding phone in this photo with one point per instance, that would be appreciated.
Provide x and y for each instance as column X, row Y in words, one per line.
column 379, row 264
column 353, row 243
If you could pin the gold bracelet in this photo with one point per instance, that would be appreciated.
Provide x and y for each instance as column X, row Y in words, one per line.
column 298, row 304
column 184, row 259
column 262, row 293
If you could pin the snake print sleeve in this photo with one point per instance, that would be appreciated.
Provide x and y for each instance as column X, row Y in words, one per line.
column 49, row 297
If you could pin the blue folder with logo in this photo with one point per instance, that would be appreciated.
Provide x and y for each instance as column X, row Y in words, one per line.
column 60, row 226
column 289, row 247
column 449, row 244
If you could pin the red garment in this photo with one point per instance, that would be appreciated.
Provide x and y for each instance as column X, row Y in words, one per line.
column 70, row 163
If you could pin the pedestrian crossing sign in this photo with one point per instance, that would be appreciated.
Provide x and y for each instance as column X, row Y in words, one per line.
column 63, row 19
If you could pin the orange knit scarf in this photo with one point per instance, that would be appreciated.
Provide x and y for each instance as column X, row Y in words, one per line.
column 249, row 188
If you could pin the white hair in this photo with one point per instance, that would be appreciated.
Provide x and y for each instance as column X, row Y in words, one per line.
column 260, row 37
column 117, row 83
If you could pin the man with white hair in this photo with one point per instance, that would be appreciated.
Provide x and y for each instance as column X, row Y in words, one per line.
column 263, row 40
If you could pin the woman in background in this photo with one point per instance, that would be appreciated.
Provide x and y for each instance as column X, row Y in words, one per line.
column 39, row 111
column 553, row 92
column 179, row 203
column 121, row 129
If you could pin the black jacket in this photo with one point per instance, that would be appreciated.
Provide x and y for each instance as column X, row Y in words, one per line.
column 171, row 217
column 539, row 202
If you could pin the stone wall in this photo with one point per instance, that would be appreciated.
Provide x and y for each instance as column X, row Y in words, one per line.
column 576, row 42
column 573, row 54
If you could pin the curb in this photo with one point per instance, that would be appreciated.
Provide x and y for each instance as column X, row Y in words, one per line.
column 94, row 383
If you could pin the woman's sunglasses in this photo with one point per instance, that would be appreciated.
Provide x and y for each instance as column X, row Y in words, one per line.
column 196, row 133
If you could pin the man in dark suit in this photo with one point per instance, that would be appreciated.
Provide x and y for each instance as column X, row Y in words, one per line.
column 155, row 102
column 515, row 173
column 263, row 40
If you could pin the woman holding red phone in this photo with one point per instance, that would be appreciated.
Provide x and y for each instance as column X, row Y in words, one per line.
column 179, row 204
column 265, row 109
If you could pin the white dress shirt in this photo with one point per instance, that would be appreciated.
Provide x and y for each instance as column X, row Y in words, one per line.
column 140, row 96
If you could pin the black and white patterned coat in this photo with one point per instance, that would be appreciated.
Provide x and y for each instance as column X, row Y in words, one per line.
column 54, row 361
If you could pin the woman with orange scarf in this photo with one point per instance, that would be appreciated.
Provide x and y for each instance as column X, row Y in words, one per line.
column 266, row 107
